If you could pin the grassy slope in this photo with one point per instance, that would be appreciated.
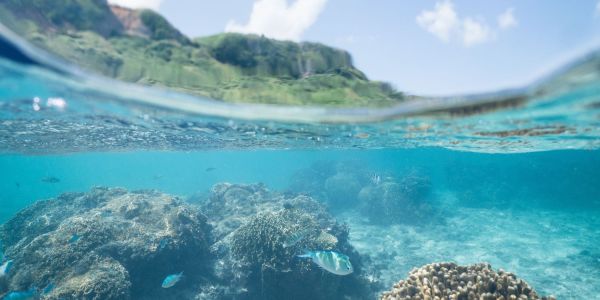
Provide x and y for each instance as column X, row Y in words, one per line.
column 231, row 67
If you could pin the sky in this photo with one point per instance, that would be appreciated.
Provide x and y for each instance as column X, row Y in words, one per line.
column 427, row 47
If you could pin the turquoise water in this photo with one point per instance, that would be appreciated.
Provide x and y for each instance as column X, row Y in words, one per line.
column 536, row 214
column 107, row 194
column 550, row 180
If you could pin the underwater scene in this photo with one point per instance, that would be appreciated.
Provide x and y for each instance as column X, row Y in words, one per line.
column 121, row 176
column 115, row 225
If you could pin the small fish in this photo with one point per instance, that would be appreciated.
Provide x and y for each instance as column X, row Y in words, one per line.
column 21, row 295
column 74, row 238
column 295, row 237
column 50, row 179
column 375, row 179
column 5, row 267
column 171, row 280
column 331, row 261
column 210, row 169
column 18, row 184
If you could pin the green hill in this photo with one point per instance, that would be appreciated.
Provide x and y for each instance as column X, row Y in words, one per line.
column 141, row 46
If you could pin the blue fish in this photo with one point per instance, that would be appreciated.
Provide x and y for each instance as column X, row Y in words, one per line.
column 171, row 280
column 21, row 295
column 330, row 261
column 5, row 267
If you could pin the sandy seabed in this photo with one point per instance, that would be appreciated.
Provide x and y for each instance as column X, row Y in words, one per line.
column 557, row 252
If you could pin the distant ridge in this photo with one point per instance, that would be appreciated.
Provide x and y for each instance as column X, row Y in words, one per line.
column 143, row 47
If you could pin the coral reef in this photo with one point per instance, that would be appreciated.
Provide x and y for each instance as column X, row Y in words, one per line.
column 393, row 200
column 342, row 190
column 335, row 183
column 452, row 281
column 106, row 244
column 231, row 205
column 381, row 197
column 110, row 243
column 252, row 225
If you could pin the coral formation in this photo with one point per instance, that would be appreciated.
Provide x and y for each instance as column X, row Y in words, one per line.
column 393, row 200
column 115, row 244
column 105, row 244
column 342, row 189
column 335, row 183
column 250, row 246
column 452, row 281
column 231, row 205
column 382, row 198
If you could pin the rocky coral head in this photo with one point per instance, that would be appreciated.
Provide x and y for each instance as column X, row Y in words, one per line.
column 398, row 200
column 273, row 267
column 125, row 243
column 451, row 281
column 259, row 235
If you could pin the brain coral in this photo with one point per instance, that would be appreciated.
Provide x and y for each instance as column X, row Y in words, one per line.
column 451, row 281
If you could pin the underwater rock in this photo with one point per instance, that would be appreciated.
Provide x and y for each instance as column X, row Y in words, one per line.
column 451, row 281
column 105, row 244
column 231, row 205
column 253, row 224
column 94, row 278
column 310, row 180
column 397, row 201
column 382, row 197
column 342, row 190
column 334, row 183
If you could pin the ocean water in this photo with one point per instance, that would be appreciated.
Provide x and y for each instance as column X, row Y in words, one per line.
column 107, row 188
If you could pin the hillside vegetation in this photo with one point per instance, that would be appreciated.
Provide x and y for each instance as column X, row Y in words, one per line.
column 141, row 46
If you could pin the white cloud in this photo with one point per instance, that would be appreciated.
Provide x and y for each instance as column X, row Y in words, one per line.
column 277, row 19
column 507, row 19
column 474, row 32
column 152, row 4
column 444, row 23
column 441, row 22
column 598, row 8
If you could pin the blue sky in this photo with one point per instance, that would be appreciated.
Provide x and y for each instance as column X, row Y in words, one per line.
column 423, row 47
